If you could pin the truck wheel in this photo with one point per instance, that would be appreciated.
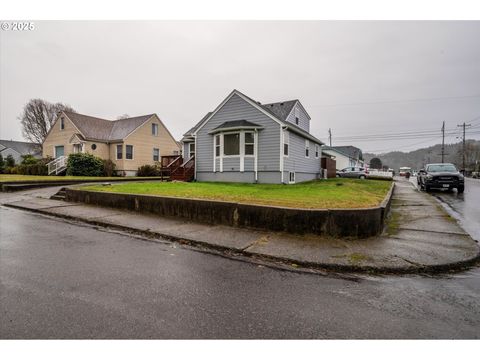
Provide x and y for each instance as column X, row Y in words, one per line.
column 362, row 176
column 461, row 189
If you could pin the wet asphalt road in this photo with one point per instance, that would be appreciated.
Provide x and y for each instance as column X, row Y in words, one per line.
column 66, row 280
column 464, row 207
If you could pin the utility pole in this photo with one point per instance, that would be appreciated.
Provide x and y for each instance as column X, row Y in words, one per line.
column 330, row 136
column 463, row 147
column 443, row 142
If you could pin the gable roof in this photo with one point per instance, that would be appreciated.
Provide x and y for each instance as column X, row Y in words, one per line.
column 267, row 109
column 21, row 147
column 280, row 109
column 106, row 130
column 349, row 151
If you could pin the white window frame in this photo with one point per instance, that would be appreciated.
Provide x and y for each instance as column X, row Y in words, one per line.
column 217, row 145
column 317, row 151
column 154, row 126
column 116, row 152
column 245, row 143
column 222, row 152
column 307, row 148
column 133, row 152
column 153, row 157
column 286, row 141
column 190, row 152
column 297, row 116
column 290, row 173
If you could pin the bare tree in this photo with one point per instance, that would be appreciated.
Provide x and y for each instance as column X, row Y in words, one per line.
column 376, row 163
column 124, row 116
column 37, row 118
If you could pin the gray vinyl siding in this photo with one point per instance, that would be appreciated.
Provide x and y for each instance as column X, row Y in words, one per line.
column 264, row 177
column 16, row 155
column 268, row 139
column 303, row 120
column 296, row 160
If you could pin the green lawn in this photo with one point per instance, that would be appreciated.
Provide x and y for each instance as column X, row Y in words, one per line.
column 331, row 193
column 20, row 178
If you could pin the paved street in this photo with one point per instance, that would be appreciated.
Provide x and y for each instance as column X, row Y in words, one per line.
column 65, row 280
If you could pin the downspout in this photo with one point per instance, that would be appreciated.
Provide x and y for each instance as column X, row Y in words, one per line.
column 195, row 161
column 256, row 155
column 282, row 128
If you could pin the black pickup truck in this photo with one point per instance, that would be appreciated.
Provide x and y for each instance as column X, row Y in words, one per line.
column 440, row 176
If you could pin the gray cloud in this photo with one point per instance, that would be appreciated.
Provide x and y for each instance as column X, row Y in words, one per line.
column 180, row 70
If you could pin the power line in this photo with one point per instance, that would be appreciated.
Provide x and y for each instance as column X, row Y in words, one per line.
column 398, row 101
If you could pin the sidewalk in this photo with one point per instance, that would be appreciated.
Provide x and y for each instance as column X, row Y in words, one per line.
column 420, row 237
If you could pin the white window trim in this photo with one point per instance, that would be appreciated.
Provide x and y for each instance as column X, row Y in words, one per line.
column 222, row 150
column 116, row 152
column 244, row 143
column 289, row 177
column 153, row 154
column 133, row 152
column 286, row 141
column 307, row 146
column 157, row 127
column 317, row 151
column 190, row 149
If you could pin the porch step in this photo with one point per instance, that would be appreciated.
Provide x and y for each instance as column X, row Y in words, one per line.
column 60, row 195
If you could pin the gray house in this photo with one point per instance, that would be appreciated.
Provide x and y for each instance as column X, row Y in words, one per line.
column 243, row 140
column 19, row 148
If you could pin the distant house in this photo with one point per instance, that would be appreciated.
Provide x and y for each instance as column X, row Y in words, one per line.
column 243, row 140
column 129, row 143
column 345, row 156
column 19, row 148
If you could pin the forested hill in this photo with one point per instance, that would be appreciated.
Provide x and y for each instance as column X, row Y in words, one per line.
column 418, row 158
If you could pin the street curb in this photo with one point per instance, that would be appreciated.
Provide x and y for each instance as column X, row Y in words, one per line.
column 274, row 261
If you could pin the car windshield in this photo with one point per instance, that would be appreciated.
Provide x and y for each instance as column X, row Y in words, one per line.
column 442, row 168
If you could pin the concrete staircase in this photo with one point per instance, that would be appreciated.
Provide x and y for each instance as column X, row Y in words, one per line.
column 60, row 195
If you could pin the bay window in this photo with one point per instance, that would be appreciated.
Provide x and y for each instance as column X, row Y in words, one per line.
column 249, row 143
column 231, row 144
column 119, row 152
column 217, row 145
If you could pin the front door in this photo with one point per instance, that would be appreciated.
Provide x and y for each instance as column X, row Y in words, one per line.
column 59, row 151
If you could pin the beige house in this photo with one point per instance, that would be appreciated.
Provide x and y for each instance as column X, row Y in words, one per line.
column 129, row 143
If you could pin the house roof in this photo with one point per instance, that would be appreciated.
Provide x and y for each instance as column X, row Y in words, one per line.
column 106, row 130
column 280, row 110
column 350, row 151
column 276, row 111
column 236, row 124
column 22, row 147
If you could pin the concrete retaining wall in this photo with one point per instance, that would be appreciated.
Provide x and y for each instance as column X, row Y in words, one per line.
column 358, row 223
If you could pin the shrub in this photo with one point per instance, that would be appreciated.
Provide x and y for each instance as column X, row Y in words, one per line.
column 81, row 164
column 148, row 170
column 32, row 166
column 108, row 168
column 29, row 160
column 2, row 164
column 10, row 161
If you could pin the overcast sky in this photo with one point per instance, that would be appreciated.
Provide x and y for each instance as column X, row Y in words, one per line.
column 353, row 77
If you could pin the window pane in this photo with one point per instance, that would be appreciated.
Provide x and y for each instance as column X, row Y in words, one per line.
column 154, row 129
column 285, row 149
column 217, row 140
column 129, row 152
column 119, row 151
column 249, row 138
column 249, row 150
column 231, row 144
column 156, row 153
